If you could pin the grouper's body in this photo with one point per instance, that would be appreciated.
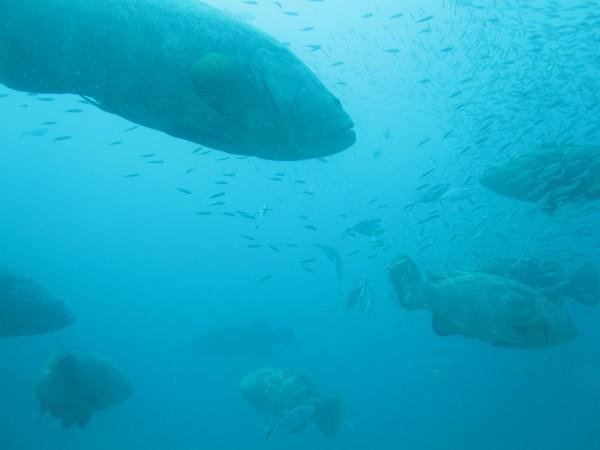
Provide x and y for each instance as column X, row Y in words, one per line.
column 178, row 66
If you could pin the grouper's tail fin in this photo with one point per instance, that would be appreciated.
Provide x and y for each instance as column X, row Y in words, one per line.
column 329, row 416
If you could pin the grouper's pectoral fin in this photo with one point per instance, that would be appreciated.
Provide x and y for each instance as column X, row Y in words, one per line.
column 83, row 418
column 221, row 83
column 96, row 103
column 67, row 422
column 79, row 418
column 443, row 326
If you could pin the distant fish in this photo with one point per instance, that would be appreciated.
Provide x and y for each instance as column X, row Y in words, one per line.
column 353, row 298
column 369, row 228
column 75, row 385
column 423, row 142
column 425, row 19
column 457, row 194
column 36, row 132
column 431, row 193
column 361, row 297
column 308, row 261
column 293, row 400
column 549, row 177
column 255, row 338
column 27, row 309
column 245, row 215
column 242, row 101
column 426, row 173
column 334, row 257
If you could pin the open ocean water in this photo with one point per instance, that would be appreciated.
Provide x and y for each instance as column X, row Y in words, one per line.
column 264, row 281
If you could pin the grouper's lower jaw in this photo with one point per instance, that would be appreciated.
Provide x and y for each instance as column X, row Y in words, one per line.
column 340, row 141
column 322, row 147
column 326, row 145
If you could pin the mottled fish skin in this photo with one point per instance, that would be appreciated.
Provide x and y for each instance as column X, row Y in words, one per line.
column 493, row 309
column 548, row 176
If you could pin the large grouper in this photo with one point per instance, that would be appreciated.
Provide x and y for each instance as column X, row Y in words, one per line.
column 494, row 309
column 179, row 66
column 28, row 309
column 74, row 385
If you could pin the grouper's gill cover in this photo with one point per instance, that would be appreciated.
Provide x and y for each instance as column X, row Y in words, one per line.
column 178, row 66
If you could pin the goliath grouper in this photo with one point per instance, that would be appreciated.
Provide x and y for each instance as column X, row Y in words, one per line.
column 550, row 176
column 493, row 309
column 74, row 385
column 179, row 66
column 27, row 309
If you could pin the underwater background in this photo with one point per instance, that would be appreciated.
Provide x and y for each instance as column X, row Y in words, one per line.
column 439, row 91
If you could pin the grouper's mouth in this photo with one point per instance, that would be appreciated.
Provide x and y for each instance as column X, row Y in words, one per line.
column 344, row 134
column 337, row 135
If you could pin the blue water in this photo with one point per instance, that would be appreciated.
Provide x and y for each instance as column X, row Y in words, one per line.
column 143, row 273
